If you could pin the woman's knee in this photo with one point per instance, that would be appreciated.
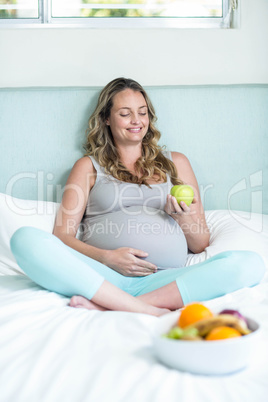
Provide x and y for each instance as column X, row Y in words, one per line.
column 243, row 256
column 244, row 267
column 26, row 239
column 247, row 257
column 251, row 266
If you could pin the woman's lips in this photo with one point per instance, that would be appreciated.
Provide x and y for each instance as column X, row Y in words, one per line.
column 134, row 130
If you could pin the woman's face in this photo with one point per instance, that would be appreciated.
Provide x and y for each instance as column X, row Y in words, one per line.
column 128, row 120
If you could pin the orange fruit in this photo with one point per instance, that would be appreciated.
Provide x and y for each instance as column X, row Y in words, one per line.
column 222, row 332
column 192, row 313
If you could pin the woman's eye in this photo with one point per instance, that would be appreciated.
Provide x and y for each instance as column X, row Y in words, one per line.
column 124, row 115
column 143, row 114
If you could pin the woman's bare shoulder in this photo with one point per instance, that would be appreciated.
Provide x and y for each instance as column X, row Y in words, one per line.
column 84, row 164
column 179, row 158
column 82, row 171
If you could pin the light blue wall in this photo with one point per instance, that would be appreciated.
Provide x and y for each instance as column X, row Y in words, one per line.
column 222, row 129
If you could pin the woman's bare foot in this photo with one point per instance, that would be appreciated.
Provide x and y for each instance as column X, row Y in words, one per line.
column 162, row 311
column 166, row 297
column 82, row 302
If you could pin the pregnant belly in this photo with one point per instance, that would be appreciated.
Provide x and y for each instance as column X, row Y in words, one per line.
column 150, row 230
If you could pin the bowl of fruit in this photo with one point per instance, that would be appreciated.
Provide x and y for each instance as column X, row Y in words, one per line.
column 199, row 341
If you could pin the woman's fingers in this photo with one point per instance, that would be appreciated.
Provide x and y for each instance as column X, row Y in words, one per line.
column 143, row 266
column 129, row 262
column 137, row 252
column 173, row 208
column 184, row 207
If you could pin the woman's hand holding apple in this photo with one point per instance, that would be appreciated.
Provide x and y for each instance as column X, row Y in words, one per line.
column 182, row 211
column 179, row 200
column 178, row 211
column 188, row 219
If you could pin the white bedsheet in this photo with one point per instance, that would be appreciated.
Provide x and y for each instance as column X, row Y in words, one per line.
column 52, row 352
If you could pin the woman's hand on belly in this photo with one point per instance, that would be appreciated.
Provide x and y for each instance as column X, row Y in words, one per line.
column 128, row 261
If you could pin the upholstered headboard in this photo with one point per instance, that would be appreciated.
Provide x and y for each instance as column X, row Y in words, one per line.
column 222, row 129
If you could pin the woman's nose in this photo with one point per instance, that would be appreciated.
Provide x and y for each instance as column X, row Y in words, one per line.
column 135, row 118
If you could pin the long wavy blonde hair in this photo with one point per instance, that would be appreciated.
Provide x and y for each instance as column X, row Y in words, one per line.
column 100, row 144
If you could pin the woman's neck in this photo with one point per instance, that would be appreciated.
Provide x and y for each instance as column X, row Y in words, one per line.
column 129, row 156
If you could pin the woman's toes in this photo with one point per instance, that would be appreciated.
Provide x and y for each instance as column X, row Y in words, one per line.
column 82, row 302
column 77, row 301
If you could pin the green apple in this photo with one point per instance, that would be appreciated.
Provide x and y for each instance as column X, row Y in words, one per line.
column 183, row 192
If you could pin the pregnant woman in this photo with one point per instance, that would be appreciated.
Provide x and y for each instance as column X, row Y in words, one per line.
column 120, row 239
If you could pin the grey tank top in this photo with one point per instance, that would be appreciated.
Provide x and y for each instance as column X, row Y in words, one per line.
column 120, row 214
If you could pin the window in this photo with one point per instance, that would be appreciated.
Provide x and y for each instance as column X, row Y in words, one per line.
column 118, row 13
column 11, row 10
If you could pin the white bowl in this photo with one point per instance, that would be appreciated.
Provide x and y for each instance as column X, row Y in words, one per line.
column 204, row 357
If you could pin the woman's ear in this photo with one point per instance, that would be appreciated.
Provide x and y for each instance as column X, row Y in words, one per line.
column 107, row 122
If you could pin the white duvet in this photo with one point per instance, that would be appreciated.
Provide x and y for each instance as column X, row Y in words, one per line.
column 50, row 352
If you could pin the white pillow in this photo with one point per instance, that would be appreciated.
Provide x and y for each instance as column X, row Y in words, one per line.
column 15, row 213
column 230, row 230
column 234, row 230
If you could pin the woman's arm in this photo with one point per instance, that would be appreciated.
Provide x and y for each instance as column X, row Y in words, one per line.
column 191, row 219
column 77, row 190
column 71, row 211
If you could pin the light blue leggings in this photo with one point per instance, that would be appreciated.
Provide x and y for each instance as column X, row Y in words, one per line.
column 59, row 268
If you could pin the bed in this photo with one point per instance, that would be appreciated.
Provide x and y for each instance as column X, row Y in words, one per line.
column 51, row 352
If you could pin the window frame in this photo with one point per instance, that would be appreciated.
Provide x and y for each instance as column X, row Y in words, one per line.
column 46, row 20
column 23, row 22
